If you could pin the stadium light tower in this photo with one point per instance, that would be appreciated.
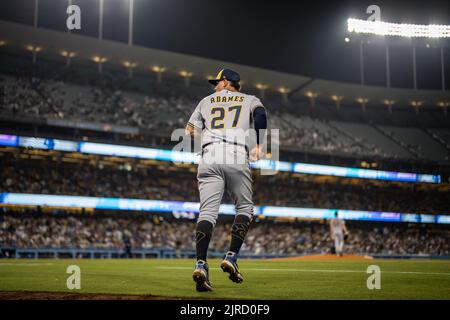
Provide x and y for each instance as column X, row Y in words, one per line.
column 99, row 61
column 388, row 69
column 34, row 51
column 36, row 11
column 444, row 105
column 397, row 31
column 337, row 100
column 414, row 68
column 186, row 75
column 361, row 59
column 69, row 3
column 159, row 71
column 262, row 89
column 389, row 103
column 68, row 55
column 284, row 93
column 100, row 20
column 416, row 105
column 130, row 66
column 312, row 97
column 442, row 69
column 362, row 101
column 361, row 62
column 130, row 22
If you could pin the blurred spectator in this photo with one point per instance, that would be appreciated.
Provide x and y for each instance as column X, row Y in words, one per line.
column 161, row 111
column 282, row 189
column 25, row 230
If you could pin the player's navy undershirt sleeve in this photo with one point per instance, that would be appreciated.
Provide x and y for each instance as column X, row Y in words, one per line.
column 260, row 121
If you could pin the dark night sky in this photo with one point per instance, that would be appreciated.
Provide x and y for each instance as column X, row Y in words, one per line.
column 304, row 38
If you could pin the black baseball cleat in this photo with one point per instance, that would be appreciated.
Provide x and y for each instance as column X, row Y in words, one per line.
column 201, row 277
column 230, row 266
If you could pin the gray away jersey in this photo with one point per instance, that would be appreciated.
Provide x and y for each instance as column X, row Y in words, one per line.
column 226, row 115
column 337, row 225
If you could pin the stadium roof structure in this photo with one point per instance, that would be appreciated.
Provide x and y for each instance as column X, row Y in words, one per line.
column 375, row 95
column 52, row 43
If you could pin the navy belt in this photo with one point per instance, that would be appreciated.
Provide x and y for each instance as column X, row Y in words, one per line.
column 235, row 143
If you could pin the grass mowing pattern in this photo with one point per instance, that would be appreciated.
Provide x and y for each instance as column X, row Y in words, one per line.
column 263, row 279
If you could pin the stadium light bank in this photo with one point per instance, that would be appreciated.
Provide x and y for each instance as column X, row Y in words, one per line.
column 436, row 32
column 398, row 29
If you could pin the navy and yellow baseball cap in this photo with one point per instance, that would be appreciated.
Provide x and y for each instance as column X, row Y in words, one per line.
column 226, row 74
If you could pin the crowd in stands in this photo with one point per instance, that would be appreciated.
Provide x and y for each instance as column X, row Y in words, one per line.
column 315, row 134
column 162, row 112
column 282, row 189
column 24, row 230
column 103, row 104
column 158, row 111
column 408, row 198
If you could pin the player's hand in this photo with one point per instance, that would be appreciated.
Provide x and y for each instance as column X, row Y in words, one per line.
column 255, row 154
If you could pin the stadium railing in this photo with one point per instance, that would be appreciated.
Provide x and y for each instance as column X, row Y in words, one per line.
column 96, row 253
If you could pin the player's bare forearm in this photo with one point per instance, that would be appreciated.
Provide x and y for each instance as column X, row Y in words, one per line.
column 191, row 131
column 255, row 153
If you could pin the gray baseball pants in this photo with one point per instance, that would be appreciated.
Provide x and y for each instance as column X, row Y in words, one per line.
column 215, row 178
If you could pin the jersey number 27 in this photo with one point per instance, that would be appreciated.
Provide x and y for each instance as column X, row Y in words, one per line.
column 217, row 121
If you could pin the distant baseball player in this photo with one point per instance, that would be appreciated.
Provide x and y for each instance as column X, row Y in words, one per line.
column 337, row 231
column 215, row 119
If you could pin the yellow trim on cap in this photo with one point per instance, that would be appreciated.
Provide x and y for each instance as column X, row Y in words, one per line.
column 219, row 75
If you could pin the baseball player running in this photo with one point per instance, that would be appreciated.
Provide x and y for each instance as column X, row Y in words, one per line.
column 337, row 231
column 215, row 117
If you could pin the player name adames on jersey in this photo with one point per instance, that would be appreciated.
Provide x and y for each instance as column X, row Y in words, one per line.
column 219, row 99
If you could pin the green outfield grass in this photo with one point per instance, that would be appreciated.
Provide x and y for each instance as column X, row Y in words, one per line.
column 264, row 279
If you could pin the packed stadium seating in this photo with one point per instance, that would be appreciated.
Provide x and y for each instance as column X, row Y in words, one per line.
column 28, row 229
column 386, row 146
column 54, row 99
column 110, row 99
column 80, row 95
column 417, row 141
column 159, row 183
